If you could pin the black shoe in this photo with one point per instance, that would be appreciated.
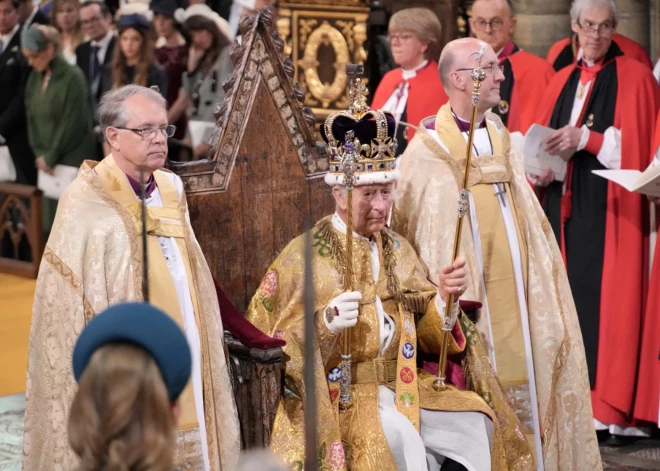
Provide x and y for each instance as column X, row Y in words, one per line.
column 621, row 440
column 603, row 435
column 451, row 465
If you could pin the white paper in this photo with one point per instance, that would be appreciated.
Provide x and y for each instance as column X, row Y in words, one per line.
column 536, row 159
column 200, row 131
column 645, row 183
column 54, row 185
column 7, row 169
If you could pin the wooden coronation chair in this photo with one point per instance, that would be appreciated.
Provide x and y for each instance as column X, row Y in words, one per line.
column 261, row 183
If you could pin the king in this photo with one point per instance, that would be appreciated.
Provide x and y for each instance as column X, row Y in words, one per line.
column 375, row 306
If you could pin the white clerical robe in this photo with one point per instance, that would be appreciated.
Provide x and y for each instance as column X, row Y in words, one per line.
column 465, row 437
column 180, row 280
column 482, row 146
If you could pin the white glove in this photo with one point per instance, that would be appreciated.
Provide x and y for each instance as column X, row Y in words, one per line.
column 342, row 312
column 440, row 306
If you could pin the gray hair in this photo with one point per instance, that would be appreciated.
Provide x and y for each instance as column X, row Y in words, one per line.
column 445, row 66
column 111, row 107
column 579, row 5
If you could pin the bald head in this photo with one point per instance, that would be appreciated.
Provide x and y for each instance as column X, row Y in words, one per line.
column 456, row 61
column 455, row 56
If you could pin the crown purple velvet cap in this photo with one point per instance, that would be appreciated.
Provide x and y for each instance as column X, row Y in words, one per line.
column 364, row 129
column 373, row 160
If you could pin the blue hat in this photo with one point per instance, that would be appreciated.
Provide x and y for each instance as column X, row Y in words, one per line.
column 142, row 325
column 133, row 20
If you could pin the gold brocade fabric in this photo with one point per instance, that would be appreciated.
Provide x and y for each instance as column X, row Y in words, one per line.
column 93, row 260
column 426, row 203
column 499, row 279
column 354, row 439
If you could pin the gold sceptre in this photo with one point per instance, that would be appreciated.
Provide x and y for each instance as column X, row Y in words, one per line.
column 358, row 107
column 478, row 75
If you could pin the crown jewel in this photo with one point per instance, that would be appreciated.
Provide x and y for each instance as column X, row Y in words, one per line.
column 371, row 159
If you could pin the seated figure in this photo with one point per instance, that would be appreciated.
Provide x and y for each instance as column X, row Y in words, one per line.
column 393, row 318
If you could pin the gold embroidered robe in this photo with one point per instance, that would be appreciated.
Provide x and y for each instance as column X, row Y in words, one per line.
column 93, row 259
column 354, row 439
column 427, row 200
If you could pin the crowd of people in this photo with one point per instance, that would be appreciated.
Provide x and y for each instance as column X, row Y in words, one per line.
column 601, row 228
column 55, row 68
column 557, row 348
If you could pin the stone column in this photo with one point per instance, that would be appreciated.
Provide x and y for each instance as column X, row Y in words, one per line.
column 654, row 14
column 634, row 21
column 541, row 23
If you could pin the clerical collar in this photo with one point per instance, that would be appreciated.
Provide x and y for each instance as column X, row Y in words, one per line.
column 464, row 126
column 151, row 185
column 408, row 74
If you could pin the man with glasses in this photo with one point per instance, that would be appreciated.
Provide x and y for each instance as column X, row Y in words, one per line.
column 603, row 109
column 525, row 75
column 527, row 320
column 92, row 55
column 566, row 51
column 14, row 72
column 93, row 259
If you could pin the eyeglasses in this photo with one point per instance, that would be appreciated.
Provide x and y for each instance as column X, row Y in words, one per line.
column 401, row 38
column 495, row 24
column 150, row 132
column 93, row 19
column 489, row 69
column 605, row 30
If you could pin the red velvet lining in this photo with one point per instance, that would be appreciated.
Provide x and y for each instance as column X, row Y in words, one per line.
column 235, row 322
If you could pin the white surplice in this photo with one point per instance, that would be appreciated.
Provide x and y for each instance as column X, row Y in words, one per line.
column 483, row 146
column 180, row 280
column 465, row 437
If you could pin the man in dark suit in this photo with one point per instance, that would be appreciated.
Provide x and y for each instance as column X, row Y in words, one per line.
column 29, row 14
column 14, row 72
column 96, row 23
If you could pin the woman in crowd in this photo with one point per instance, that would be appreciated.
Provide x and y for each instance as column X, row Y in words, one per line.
column 57, row 108
column 209, row 65
column 64, row 16
column 131, row 362
column 133, row 61
column 172, row 55
column 413, row 91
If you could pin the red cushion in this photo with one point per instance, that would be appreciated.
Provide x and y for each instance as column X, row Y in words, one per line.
column 235, row 322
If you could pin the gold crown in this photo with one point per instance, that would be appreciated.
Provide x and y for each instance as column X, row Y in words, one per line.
column 353, row 162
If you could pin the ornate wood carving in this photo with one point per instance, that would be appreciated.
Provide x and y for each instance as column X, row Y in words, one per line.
column 265, row 178
column 256, row 378
column 21, row 231
column 323, row 39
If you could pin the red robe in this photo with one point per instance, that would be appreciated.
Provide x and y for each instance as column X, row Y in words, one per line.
column 425, row 94
column 530, row 77
column 628, row 46
column 625, row 263
column 648, row 389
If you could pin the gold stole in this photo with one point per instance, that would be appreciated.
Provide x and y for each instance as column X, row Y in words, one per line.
column 165, row 221
column 505, row 320
column 406, row 386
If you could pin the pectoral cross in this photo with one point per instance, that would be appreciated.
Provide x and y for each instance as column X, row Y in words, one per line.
column 501, row 192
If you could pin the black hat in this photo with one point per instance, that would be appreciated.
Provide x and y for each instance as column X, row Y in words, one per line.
column 169, row 8
column 146, row 327
column 133, row 20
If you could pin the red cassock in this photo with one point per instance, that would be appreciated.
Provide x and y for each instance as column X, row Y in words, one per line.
column 648, row 389
column 526, row 77
column 425, row 93
column 561, row 53
column 621, row 293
